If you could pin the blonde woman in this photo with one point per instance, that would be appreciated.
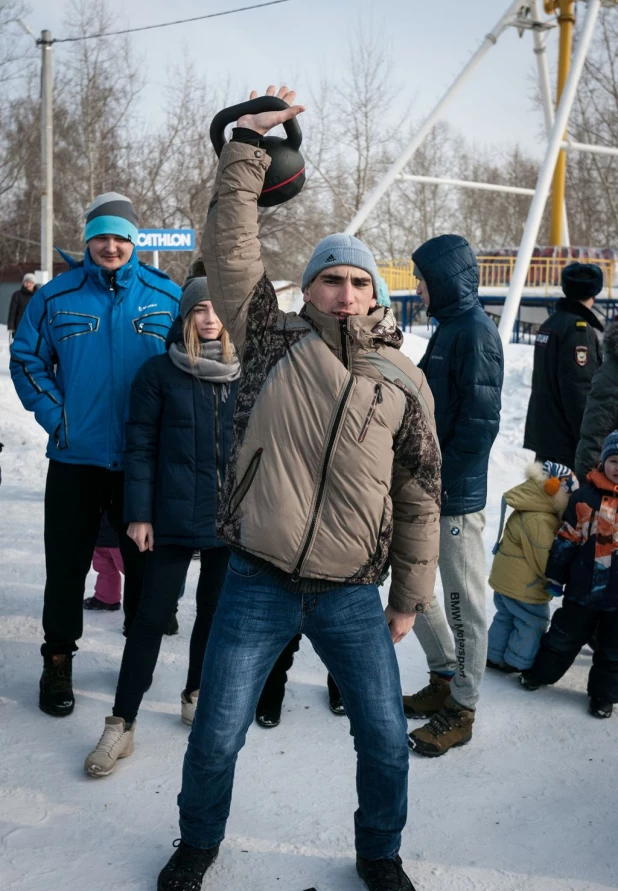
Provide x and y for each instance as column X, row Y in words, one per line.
column 179, row 436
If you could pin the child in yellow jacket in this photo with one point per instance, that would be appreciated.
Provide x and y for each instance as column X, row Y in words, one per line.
column 518, row 571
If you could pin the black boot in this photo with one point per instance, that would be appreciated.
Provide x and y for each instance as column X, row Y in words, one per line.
column 268, row 712
column 172, row 628
column 335, row 702
column 95, row 603
column 600, row 708
column 56, row 686
column 186, row 868
column 529, row 681
column 383, row 875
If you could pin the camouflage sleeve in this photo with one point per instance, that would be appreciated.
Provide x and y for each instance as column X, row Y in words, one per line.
column 415, row 493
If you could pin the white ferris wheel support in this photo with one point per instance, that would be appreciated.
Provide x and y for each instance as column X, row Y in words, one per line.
column 544, row 181
column 396, row 168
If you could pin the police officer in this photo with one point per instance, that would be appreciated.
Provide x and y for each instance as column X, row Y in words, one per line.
column 567, row 353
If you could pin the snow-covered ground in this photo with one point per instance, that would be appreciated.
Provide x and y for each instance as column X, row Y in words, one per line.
column 529, row 805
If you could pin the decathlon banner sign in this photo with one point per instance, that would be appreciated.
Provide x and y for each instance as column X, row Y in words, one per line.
column 166, row 240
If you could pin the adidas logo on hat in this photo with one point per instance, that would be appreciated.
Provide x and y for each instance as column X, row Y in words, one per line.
column 331, row 258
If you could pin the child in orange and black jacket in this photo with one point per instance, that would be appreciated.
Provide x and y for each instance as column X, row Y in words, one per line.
column 584, row 562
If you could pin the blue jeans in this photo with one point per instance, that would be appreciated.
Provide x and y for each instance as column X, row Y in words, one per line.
column 255, row 619
column 516, row 631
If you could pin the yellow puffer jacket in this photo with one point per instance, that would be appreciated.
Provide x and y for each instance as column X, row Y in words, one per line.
column 518, row 569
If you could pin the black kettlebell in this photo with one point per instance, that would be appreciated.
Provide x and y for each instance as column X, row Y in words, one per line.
column 286, row 175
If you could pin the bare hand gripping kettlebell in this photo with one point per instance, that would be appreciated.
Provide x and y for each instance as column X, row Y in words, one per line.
column 286, row 175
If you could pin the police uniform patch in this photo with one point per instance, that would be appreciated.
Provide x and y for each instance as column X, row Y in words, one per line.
column 581, row 355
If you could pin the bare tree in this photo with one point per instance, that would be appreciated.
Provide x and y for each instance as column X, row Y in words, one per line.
column 592, row 187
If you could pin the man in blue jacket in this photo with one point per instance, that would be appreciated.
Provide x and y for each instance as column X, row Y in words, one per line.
column 82, row 339
column 464, row 366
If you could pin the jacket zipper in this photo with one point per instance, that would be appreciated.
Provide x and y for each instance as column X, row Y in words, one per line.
column 217, row 444
column 112, row 287
column 343, row 332
column 377, row 398
column 323, row 477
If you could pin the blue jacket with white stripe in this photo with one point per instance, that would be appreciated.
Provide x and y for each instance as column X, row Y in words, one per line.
column 79, row 345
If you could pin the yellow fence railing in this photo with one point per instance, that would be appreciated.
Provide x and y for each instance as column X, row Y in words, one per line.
column 496, row 272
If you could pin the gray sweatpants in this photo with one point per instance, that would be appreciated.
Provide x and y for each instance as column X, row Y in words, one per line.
column 462, row 648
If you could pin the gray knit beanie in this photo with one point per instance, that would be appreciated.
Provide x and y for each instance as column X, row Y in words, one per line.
column 341, row 250
column 193, row 293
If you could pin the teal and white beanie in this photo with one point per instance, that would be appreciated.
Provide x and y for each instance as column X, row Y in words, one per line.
column 111, row 214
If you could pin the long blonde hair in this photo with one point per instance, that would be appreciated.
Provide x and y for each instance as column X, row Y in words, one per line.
column 192, row 341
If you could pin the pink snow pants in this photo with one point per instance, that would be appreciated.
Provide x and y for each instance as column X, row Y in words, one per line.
column 107, row 562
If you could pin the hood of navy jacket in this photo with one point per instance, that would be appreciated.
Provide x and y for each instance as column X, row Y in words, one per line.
column 450, row 270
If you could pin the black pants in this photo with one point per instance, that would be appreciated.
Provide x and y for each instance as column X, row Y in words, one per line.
column 570, row 629
column 75, row 496
column 166, row 569
column 274, row 689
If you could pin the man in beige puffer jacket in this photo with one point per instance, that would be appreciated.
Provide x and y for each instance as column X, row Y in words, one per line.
column 334, row 477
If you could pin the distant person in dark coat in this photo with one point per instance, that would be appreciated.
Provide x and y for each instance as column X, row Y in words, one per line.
column 19, row 302
column 464, row 366
column 601, row 413
column 567, row 353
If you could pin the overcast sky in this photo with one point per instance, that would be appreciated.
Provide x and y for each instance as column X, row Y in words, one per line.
column 298, row 41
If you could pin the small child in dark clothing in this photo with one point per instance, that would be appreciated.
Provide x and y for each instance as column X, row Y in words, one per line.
column 584, row 561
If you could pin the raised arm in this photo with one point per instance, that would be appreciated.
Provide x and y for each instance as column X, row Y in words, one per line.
column 230, row 244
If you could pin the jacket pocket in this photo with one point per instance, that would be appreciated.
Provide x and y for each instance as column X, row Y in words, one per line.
column 380, row 551
column 245, row 484
column 377, row 398
column 62, row 432
column 73, row 324
column 154, row 324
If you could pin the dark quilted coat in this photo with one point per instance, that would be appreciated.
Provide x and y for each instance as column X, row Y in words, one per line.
column 179, row 436
column 464, row 365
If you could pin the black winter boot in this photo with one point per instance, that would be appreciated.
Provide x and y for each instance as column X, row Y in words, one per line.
column 172, row 628
column 600, row 708
column 56, row 686
column 335, row 702
column 529, row 681
column 268, row 713
column 186, row 868
column 95, row 603
column 383, row 875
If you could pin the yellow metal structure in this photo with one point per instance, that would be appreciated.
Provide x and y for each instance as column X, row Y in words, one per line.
column 496, row 272
column 566, row 21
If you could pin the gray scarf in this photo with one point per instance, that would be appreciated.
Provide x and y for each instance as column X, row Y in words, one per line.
column 210, row 365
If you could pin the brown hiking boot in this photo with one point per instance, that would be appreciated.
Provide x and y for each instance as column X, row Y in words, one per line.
column 449, row 728
column 430, row 699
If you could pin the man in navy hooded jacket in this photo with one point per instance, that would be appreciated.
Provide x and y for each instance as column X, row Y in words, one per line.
column 78, row 347
column 464, row 366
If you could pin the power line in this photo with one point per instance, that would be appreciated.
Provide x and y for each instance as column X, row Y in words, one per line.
column 32, row 241
column 199, row 18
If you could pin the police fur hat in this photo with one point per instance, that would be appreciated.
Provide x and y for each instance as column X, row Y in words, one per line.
column 580, row 281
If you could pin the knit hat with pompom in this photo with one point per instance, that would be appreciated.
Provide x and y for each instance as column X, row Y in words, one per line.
column 558, row 476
